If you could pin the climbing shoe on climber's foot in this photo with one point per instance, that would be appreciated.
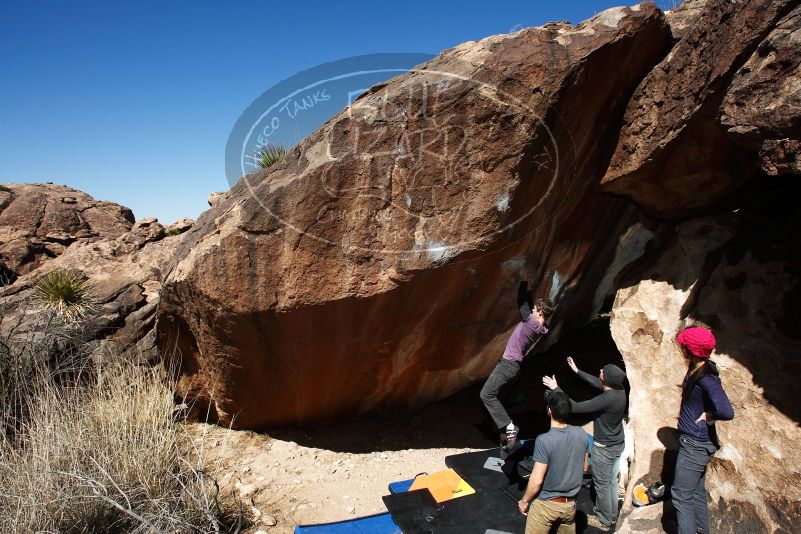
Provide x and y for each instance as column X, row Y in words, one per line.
column 511, row 434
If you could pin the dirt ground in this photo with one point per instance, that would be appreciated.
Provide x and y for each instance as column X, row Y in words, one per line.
column 335, row 472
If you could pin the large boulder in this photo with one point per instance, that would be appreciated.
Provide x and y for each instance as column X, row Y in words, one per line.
column 738, row 274
column 674, row 157
column 762, row 107
column 39, row 221
column 376, row 266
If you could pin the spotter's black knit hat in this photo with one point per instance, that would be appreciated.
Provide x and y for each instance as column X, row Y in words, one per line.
column 614, row 375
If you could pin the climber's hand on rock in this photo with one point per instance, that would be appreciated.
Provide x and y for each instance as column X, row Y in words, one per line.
column 550, row 382
column 572, row 364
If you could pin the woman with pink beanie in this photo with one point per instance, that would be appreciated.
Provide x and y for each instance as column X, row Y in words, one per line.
column 703, row 401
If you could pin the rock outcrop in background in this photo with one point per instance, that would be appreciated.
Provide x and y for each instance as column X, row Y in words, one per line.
column 45, row 227
column 39, row 221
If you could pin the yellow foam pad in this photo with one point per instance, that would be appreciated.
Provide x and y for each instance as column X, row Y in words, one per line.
column 443, row 485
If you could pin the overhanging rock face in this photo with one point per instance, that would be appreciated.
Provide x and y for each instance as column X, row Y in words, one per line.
column 376, row 267
column 762, row 108
column 674, row 157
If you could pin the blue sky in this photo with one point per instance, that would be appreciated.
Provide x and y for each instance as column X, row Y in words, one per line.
column 133, row 102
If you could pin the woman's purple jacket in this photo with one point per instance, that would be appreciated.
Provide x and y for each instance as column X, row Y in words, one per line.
column 707, row 396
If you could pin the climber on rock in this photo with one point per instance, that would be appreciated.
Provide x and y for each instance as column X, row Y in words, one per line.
column 703, row 401
column 609, row 408
column 529, row 330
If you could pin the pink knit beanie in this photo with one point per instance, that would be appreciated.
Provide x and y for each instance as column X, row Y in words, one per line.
column 699, row 341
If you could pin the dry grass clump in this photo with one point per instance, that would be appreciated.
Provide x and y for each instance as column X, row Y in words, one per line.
column 86, row 447
column 104, row 455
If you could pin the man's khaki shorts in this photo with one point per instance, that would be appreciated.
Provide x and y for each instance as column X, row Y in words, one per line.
column 544, row 514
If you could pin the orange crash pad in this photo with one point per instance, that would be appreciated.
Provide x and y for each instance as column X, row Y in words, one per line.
column 443, row 485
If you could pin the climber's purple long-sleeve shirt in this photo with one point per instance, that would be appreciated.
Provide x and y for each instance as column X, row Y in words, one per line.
column 707, row 396
column 527, row 332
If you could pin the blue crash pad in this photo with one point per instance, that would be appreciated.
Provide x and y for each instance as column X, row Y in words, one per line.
column 372, row 524
column 401, row 486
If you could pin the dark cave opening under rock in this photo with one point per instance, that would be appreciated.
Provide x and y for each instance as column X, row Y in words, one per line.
column 591, row 347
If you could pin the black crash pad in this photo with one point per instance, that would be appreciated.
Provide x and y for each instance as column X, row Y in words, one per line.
column 412, row 511
column 416, row 512
column 470, row 466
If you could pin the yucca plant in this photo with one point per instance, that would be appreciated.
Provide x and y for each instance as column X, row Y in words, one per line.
column 67, row 293
column 269, row 155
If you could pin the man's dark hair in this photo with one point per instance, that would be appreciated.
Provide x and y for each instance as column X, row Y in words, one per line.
column 544, row 306
column 559, row 403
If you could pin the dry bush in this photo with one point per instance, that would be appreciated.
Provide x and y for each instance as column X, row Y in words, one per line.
column 107, row 457
column 86, row 447
column 94, row 448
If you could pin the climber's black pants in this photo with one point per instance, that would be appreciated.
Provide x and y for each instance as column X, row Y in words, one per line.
column 500, row 382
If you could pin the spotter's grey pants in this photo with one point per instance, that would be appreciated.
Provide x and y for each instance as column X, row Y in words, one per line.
column 688, row 491
column 605, row 469
column 497, row 387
